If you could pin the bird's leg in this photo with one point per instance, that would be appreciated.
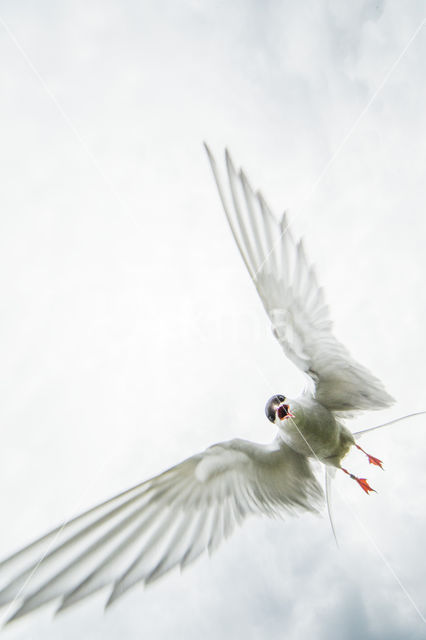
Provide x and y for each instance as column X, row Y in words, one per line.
column 371, row 459
column 361, row 481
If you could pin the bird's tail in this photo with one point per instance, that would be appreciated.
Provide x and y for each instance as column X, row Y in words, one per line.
column 358, row 434
column 329, row 474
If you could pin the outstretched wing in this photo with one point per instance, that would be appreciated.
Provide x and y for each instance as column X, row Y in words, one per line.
column 294, row 302
column 167, row 521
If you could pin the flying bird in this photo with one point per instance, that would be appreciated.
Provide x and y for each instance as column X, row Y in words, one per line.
column 173, row 518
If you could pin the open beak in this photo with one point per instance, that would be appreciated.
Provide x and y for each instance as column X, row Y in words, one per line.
column 283, row 412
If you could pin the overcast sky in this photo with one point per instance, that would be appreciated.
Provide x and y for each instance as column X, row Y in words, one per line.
column 131, row 335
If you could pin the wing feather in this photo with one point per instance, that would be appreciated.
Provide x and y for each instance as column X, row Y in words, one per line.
column 167, row 521
column 292, row 298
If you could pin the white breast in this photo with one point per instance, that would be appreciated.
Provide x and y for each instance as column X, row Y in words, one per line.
column 313, row 432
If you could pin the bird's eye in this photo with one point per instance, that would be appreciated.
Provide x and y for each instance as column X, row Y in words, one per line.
column 272, row 406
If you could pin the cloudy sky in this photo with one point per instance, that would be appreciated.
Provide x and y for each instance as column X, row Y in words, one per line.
column 131, row 334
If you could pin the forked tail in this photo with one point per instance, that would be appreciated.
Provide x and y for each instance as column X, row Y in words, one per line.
column 329, row 473
column 358, row 434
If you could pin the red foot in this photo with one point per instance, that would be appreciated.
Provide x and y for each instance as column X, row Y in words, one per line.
column 361, row 481
column 364, row 485
column 371, row 459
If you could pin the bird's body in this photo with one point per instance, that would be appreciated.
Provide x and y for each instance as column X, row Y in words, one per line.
column 171, row 519
column 314, row 431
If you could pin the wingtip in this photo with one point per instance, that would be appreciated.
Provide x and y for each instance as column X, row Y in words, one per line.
column 211, row 159
column 59, row 610
column 113, row 596
column 68, row 601
column 65, row 604
column 261, row 199
column 301, row 249
column 244, row 179
column 19, row 613
column 6, row 624
column 228, row 159
column 284, row 221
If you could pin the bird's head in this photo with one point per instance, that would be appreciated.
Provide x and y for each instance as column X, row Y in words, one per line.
column 277, row 409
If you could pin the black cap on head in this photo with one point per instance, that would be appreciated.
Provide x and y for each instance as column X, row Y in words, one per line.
column 272, row 406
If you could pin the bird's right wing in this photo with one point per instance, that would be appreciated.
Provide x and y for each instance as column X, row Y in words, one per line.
column 167, row 521
column 294, row 302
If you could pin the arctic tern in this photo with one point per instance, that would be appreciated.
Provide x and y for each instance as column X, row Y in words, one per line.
column 171, row 519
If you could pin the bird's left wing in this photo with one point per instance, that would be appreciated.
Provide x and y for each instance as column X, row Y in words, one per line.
column 166, row 521
column 292, row 298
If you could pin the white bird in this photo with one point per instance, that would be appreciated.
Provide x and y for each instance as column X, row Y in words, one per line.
column 171, row 519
